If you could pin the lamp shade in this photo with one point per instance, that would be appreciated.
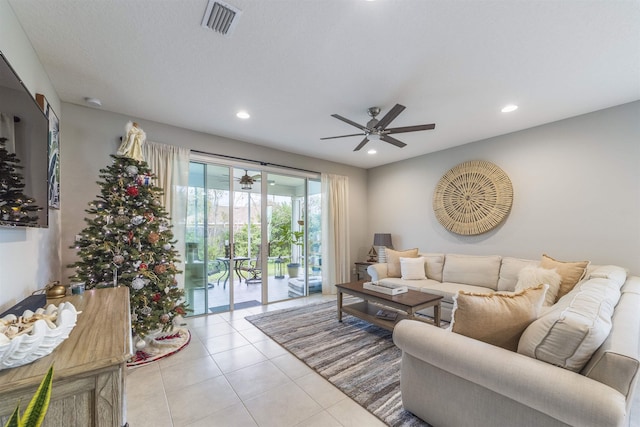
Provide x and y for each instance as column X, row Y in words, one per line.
column 382, row 239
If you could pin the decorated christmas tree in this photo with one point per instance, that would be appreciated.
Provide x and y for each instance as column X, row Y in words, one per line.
column 128, row 241
column 15, row 206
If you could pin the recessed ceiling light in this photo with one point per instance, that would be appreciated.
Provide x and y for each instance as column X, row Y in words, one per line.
column 509, row 108
column 372, row 151
column 242, row 115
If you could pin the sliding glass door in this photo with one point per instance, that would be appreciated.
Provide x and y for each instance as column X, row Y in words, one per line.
column 252, row 237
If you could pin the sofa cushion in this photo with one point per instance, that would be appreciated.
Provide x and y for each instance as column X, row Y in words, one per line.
column 576, row 326
column 472, row 270
column 531, row 276
column 571, row 272
column 449, row 290
column 433, row 265
column 611, row 272
column 497, row 318
column 509, row 270
column 412, row 268
column 393, row 260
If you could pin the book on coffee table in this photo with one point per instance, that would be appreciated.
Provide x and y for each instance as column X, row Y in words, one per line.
column 386, row 314
column 385, row 288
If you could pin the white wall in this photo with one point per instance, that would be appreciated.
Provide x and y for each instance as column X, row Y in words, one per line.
column 89, row 136
column 29, row 258
column 576, row 192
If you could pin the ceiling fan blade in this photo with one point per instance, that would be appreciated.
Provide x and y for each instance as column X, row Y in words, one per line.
column 391, row 140
column 411, row 128
column 362, row 144
column 342, row 136
column 352, row 123
column 392, row 114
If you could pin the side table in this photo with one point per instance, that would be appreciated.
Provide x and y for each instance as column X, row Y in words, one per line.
column 361, row 270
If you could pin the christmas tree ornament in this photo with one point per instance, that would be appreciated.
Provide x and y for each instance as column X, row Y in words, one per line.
column 121, row 220
column 118, row 259
column 131, row 170
column 137, row 220
column 137, row 283
column 159, row 269
column 132, row 191
column 166, row 246
column 153, row 238
column 164, row 318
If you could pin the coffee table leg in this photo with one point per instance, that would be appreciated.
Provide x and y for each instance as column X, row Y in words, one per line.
column 436, row 314
column 339, row 306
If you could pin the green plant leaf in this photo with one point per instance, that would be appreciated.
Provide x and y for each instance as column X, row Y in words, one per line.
column 14, row 421
column 37, row 409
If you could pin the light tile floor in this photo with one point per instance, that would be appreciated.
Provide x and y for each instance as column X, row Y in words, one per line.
column 231, row 374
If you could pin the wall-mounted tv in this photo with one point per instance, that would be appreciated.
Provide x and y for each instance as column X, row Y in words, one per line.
column 24, row 132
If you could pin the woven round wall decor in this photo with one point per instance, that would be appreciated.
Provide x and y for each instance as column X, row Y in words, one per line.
column 473, row 198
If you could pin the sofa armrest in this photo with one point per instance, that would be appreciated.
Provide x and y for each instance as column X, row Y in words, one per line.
column 562, row 394
column 377, row 271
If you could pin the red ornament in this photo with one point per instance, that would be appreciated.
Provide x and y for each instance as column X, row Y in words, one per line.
column 179, row 310
column 160, row 269
column 132, row 191
column 156, row 297
column 143, row 266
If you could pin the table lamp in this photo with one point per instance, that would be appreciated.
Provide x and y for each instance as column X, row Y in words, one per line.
column 382, row 241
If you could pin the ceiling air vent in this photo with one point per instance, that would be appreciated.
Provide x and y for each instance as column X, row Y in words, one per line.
column 221, row 17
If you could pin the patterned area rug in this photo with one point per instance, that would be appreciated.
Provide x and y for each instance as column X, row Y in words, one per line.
column 355, row 356
column 160, row 347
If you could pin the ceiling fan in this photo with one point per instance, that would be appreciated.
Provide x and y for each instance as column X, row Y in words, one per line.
column 246, row 180
column 377, row 129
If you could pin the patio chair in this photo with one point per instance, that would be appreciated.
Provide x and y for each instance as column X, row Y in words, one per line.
column 253, row 268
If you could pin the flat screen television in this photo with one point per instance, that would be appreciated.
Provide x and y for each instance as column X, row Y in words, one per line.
column 24, row 133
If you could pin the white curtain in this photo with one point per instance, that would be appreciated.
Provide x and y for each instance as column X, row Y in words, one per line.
column 335, row 231
column 8, row 131
column 170, row 165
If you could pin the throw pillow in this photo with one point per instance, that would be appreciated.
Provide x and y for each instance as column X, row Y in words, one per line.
column 571, row 272
column 412, row 268
column 496, row 318
column 531, row 276
column 393, row 260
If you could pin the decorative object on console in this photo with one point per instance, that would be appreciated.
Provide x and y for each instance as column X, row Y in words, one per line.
column 497, row 318
column 34, row 335
column 472, row 198
column 373, row 255
column 382, row 241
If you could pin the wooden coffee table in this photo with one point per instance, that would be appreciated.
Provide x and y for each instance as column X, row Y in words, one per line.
column 406, row 305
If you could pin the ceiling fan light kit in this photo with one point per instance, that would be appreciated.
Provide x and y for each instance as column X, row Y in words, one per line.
column 377, row 129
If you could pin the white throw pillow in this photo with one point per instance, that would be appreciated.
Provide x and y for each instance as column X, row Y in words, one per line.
column 412, row 268
column 531, row 276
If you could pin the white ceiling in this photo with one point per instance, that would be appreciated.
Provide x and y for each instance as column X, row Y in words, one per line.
column 293, row 63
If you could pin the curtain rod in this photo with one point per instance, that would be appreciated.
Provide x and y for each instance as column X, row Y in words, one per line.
column 258, row 162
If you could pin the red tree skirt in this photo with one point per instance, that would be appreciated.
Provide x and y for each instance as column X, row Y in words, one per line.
column 162, row 346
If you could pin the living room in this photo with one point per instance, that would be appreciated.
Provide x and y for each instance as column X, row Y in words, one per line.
column 575, row 182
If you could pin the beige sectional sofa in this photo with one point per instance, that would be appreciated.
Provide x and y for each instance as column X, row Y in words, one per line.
column 576, row 364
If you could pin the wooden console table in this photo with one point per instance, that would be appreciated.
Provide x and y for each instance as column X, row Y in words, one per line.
column 89, row 366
